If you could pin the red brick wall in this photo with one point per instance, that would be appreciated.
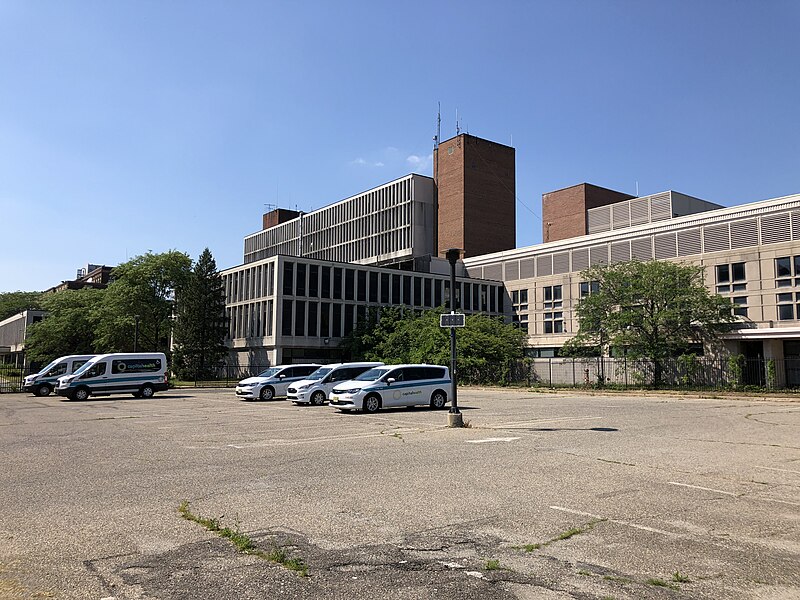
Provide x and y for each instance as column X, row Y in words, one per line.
column 564, row 211
column 476, row 187
column 278, row 216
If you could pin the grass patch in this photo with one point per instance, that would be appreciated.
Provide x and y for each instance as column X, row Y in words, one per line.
column 564, row 535
column 493, row 565
column 661, row 583
column 243, row 542
column 676, row 576
column 584, row 572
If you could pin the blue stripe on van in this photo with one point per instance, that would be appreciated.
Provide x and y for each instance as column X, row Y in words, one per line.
column 416, row 383
column 143, row 378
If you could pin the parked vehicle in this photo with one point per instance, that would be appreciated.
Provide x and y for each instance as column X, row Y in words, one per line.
column 46, row 380
column 273, row 382
column 141, row 374
column 394, row 385
column 315, row 388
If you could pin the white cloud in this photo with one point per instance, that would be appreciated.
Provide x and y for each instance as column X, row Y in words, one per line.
column 421, row 163
column 360, row 162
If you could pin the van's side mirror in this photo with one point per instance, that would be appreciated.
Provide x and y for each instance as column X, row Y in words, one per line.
column 391, row 380
column 281, row 376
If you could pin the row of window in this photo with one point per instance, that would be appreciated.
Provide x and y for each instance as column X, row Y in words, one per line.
column 342, row 283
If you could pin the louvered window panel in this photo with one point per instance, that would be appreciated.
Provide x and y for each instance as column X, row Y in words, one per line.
column 665, row 246
column 620, row 251
column 776, row 229
column 744, row 233
column 494, row 272
column 620, row 215
column 560, row 263
column 544, row 265
column 642, row 248
column 475, row 272
column 689, row 242
column 715, row 238
column 599, row 219
column 796, row 225
column 526, row 269
column 640, row 211
column 598, row 255
column 512, row 270
column 660, row 207
column 580, row 259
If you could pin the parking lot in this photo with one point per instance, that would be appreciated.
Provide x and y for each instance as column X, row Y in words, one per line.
column 544, row 495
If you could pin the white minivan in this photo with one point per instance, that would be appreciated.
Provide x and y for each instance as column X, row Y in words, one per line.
column 315, row 388
column 394, row 385
column 273, row 382
column 141, row 374
column 45, row 381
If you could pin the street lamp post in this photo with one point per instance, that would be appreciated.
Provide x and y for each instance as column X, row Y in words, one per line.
column 454, row 417
column 135, row 333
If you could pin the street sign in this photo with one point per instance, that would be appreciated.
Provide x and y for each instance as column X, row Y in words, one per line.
column 452, row 320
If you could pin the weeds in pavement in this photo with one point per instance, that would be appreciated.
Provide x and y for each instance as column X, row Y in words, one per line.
column 493, row 565
column 243, row 542
column 661, row 583
column 676, row 576
column 564, row 535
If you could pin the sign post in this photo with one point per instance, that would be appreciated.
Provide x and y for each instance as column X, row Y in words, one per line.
column 453, row 320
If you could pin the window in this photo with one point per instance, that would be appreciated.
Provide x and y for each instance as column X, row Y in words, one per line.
column 552, row 296
column 313, row 280
column 361, row 293
column 384, row 288
column 288, row 279
column 337, row 320
column 417, row 291
column 301, row 280
column 312, row 318
column 300, row 318
column 326, row 282
column 349, row 284
column 740, row 306
column 325, row 320
column 589, row 287
column 786, row 305
column 337, row 283
column 519, row 300
column 554, row 322
column 59, row 369
column 286, row 318
column 786, row 268
column 95, row 370
column 729, row 275
column 373, row 287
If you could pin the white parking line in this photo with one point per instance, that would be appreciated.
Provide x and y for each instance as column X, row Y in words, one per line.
column 774, row 469
column 488, row 440
column 697, row 487
column 617, row 521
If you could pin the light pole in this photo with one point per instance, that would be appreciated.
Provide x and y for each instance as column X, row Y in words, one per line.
column 135, row 333
column 454, row 417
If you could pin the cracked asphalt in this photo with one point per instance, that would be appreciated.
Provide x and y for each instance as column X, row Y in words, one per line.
column 545, row 496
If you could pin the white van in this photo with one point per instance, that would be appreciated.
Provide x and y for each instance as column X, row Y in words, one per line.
column 273, row 382
column 43, row 382
column 394, row 385
column 141, row 374
column 315, row 388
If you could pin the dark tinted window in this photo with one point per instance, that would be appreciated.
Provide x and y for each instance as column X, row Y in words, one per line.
column 300, row 318
column 301, row 280
column 349, row 283
column 373, row 287
column 385, row 288
column 434, row 372
column 395, row 289
column 288, row 279
column 325, row 320
column 312, row 318
column 337, row 320
column 326, row 282
column 396, row 374
column 406, row 289
column 304, row 370
column 414, row 373
column 59, row 369
column 348, row 319
column 286, row 318
column 427, row 292
column 95, row 370
column 313, row 280
column 337, row 283
column 361, row 295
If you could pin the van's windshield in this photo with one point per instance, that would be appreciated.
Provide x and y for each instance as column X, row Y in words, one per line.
column 371, row 375
column 318, row 374
column 48, row 367
column 83, row 369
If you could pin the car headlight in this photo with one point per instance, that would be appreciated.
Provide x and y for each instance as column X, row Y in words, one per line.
column 303, row 388
column 351, row 391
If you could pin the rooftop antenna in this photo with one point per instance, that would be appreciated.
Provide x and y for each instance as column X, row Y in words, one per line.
column 458, row 125
column 637, row 189
column 438, row 137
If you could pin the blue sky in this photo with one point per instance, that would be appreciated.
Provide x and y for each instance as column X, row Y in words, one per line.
column 134, row 126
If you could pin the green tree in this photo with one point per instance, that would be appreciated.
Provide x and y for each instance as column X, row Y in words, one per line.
column 201, row 323
column 69, row 327
column 403, row 336
column 653, row 309
column 12, row 303
column 144, row 287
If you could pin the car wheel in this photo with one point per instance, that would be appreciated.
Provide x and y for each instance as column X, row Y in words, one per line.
column 43, row 390
column 80, row 394
column 318, row 398
column 147, row 391
column 267, row 393
column 371, row 404
column 438, row 399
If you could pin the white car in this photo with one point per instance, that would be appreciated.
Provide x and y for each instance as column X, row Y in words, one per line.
column 273, row 382
column 315, row 388
column 394, row 385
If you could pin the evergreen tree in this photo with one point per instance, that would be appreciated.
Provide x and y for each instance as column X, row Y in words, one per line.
column 201, row 324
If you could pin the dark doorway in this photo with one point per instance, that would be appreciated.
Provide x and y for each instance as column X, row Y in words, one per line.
column 753, row 363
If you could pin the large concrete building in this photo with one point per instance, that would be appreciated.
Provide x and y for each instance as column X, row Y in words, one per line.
column 307, row 280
